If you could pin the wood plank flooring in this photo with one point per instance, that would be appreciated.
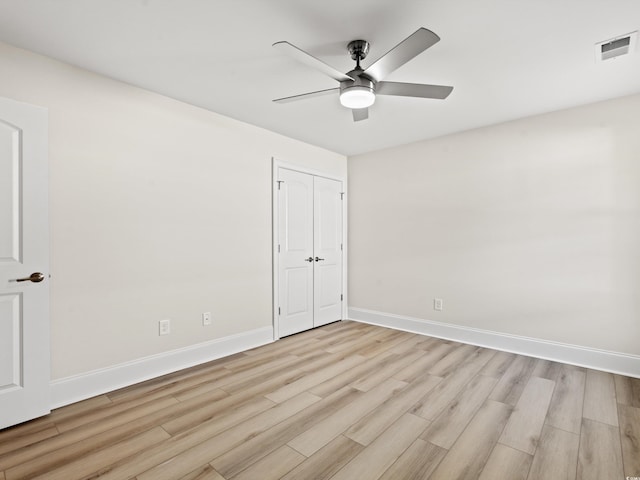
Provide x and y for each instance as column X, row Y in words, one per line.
column 345, row 401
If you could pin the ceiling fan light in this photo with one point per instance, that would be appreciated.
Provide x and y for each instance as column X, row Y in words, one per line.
column 357, row 96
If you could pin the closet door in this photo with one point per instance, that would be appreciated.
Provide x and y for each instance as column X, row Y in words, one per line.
column 295, row 257
column 309, row 262
column 327, row 251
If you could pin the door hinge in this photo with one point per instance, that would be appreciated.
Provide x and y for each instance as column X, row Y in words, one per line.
column 278, row 248
column 341, row 195
column 278, row 310
column 341, row 297
column 340, row 247
column 279, row 182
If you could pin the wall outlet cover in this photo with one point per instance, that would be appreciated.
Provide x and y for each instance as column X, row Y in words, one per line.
column 437, row 304
column 164, row 327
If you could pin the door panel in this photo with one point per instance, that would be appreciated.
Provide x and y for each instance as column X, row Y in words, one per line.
column 295, row 234
column 24, row 243
column 327, row 280
column 9, row 193
column 10, row 342
column 298, row 288
column 328, row 251
column 298, row 235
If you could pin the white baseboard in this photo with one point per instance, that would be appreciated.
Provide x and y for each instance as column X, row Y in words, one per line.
column 620, row 363
column 80, row 387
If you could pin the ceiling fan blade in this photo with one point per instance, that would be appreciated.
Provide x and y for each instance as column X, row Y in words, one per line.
column 311, row 61
column 411, row 46
column 413, row 90
column 304, row 96
column 360, row 114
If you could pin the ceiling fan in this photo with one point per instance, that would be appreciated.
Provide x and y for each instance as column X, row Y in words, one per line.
column 359, row 87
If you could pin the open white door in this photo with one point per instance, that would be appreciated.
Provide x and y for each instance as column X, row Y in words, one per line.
column 24, row 263
column 309, row 254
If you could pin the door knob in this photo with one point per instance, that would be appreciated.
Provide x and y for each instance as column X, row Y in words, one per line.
column 34, row 277
column 319, row 259
column 310, row 259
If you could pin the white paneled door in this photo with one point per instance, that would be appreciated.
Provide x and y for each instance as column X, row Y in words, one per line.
column 309, row 251
column 296, row 261
column 24, row 263
column 327, row 248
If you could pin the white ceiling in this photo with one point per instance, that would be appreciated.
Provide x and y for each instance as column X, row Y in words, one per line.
column 506, row 59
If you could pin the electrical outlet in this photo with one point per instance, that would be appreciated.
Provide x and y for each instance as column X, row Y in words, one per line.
column 206, row 318
column 164, row 327
column 437, row 304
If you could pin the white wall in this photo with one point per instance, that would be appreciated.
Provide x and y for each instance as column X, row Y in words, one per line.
column 158, row 210
column 162, row 210
column 530, row 228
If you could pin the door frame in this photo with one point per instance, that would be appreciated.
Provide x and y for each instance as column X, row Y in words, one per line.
column 276, row 164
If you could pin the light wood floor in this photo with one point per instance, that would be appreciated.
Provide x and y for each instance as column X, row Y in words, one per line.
column 346, row 401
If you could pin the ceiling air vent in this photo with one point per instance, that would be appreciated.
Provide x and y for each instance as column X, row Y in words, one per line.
column 616, row 47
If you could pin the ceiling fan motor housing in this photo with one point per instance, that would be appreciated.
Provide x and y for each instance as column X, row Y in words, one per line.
column 359, row 92
column 359, row 81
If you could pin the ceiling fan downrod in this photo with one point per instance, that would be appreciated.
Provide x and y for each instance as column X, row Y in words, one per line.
column 358, row 49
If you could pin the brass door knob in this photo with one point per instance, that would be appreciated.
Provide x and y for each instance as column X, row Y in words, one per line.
column 34, row 277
